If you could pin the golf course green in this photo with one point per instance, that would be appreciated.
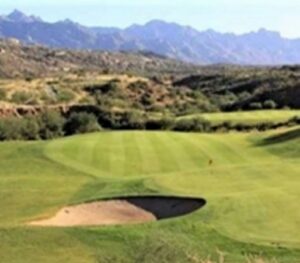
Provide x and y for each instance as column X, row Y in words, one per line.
column 250, row 182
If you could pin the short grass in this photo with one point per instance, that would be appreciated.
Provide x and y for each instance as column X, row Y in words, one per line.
column 249, row 117
column 252, row 190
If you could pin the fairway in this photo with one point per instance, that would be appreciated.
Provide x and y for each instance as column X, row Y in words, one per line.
column 249, row 180
column 250, row 117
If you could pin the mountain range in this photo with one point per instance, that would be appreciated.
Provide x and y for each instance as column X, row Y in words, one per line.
column 172, row 40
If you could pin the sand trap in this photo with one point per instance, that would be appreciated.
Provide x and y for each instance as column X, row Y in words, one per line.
column 121, row 211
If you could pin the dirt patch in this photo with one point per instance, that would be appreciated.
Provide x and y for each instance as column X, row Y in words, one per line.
column 122, row 211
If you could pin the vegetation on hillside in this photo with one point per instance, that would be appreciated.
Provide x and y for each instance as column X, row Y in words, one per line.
column 133, row 91
column 52, row 124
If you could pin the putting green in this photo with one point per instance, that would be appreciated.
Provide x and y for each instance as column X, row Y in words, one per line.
column 250, row 181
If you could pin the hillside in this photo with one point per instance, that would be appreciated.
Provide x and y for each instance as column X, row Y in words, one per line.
column 36, row 76
column 168, row 39
column 18, row 60
column 235, row 88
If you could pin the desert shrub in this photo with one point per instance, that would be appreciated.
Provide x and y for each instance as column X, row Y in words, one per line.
column 241, row 127
column 51, row 125
column 109, row 119
column 243, row 96
column 163, row 123
column 111, row 87
column 64, row 95
column 105, row 71
column 10, row 129
column 23, row 97
column 123, row 120
column 2, row 94
column 28, row 78
column 134, row 120
column 196, row 124
column 81, row 122
column 47, row 98
column 224, row 126
column 86, row 100
column 255, row 106
column 264, row 126
column 295, row 120
column 137, row 86
column 147, row 100
column 270, row 104
column 14, row 128
column 224, row 101
column 195, row 107
column 30, row 128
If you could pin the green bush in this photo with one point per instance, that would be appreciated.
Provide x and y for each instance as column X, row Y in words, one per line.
column 196, row 124
column 134, row 120
column 81, row 122
column 255, row 106
column 64, row 95
column 270, row 104
column 10, row 129
column 164, row 123
column 2, row 94
column 30, row 128
column 14, row 128
column 51, row 125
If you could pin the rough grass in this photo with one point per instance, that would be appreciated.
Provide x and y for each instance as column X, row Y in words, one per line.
column 252, row 191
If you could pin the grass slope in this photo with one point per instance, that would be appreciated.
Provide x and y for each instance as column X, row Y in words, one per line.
column 252, row 189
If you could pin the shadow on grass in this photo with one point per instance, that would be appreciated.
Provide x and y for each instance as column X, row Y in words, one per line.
column 166, row 206
column 281, row 138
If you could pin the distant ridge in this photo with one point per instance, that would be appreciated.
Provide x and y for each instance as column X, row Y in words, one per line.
column 172, row 40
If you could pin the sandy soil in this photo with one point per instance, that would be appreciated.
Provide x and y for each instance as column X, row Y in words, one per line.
column 114, row 212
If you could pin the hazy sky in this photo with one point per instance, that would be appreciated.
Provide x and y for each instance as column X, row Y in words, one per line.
column 222, row 15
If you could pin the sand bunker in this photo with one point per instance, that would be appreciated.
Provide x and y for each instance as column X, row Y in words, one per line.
column 121, row 211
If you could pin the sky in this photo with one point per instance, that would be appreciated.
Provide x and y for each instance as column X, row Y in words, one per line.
column 238, row 16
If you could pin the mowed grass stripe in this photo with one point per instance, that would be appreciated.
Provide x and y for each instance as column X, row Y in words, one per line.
column 86, row 153
column 101, row 153
column 117, row 155
column 164, row 152
column 133, row 156
column 176, row 147
column 197, row 156
column 150, row 158
column 205, row 144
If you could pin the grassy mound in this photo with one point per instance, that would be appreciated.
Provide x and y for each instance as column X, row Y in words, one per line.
column 252, row 195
